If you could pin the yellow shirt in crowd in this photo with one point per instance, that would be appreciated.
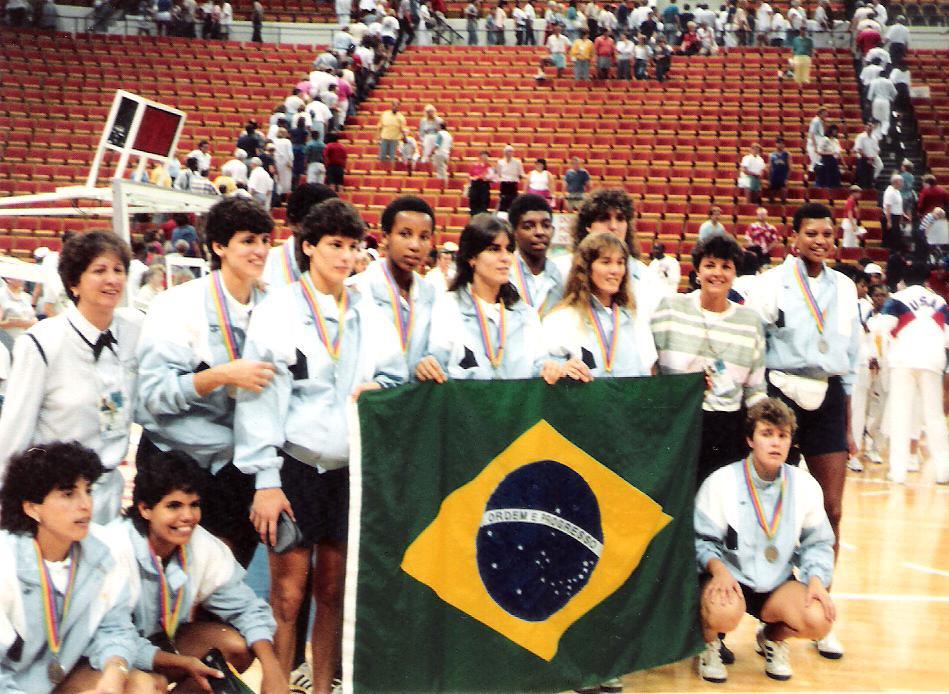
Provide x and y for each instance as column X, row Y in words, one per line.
column 391, row 125
column 582, row 49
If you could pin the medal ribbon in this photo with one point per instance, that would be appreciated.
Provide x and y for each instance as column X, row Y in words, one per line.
column 609, row 353
column 403, row 324
column 809, row 299
column 168, row 614
column 522, row 281
column 223, row 316
column 289, row 269
column 52, row 620
column 769, row 528
column 309, row 293
column 495, row 357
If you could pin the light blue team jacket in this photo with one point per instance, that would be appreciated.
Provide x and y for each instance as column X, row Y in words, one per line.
column 98, row 625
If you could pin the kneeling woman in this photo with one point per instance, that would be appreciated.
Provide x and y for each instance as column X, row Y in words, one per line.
column 480, row 328
column 176, row 566
column 594, row 328
column 64, row 619
column 756, row 521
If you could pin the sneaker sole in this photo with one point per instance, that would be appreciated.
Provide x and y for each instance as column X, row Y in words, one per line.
column 830, row 655
column 780, row 678
column 715, row 680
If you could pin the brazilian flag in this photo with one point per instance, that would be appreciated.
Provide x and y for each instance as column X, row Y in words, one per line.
column 510, row 536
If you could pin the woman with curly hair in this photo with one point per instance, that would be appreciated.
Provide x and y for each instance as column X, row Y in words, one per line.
column 74, row 375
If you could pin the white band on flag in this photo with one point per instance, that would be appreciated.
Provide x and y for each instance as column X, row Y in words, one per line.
column 532, row 515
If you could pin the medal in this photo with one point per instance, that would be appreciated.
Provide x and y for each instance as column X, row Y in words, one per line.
column 816, row 313
column 403, row 323
column 494, row 356
column 53, row 621
column 770, row 529
column 309, row 294
column 609, row 353
column 55, row 672
column 223, row 316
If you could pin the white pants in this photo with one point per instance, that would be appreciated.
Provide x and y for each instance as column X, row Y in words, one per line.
column 440, row 163
column 924, row 387
column 880, row 109
column 107, row 497
column 428, row 146
column 866, row 406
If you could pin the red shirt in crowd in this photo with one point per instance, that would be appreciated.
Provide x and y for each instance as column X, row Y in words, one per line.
column 334, row 154
column 604, row 46
column 931, row 197
column 867, row 39
column 480, row 171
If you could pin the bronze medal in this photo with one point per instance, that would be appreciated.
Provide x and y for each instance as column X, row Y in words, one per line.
column 55, row 672
column 771, row 553
column 823, row 346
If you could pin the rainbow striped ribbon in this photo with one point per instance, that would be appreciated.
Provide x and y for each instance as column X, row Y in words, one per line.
column 223, row 316
column 809, row 299
column 290, row 271
column 168, row 614
column 522, row 281
column 403, row 323
column 769, row 528
column 309, row 293
column 609, row 353
column 54, row 621
column 495, row 357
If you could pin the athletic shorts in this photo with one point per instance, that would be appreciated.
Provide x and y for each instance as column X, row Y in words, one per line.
column 819, row 431
column 754, row 600
column 558, row 60
column 320, row 501
column 334, row 174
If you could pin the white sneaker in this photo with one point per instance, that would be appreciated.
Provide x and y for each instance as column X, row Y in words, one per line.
column 873, row 455
column 855, row 464
column 777, row 660
column 912, row 465
column 612, row 686
column 711, row 667
column 336, row 687
column 830, row 647
column 301, row 679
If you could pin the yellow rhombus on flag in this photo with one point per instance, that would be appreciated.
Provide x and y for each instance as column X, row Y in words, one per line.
column 540, row 537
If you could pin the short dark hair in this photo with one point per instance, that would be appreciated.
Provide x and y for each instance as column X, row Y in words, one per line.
column 772, row 411
column 810, row 210
column 175, row 471
column 524, row 203
column 230, row 216
column 477, row 235
column 331, row 217
column 81, row 250
column 34, row 473
column 305, row 197
column 404, row 203
column 916, row 272
column 721, row 247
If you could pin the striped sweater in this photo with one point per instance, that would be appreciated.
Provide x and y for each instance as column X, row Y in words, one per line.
column 689, row 339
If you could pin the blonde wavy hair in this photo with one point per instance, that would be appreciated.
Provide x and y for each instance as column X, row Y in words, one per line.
column 579, row 287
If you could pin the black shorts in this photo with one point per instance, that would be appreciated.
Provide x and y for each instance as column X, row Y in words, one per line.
column 225, row 502
column 334, row 175
column 754, row 601
column 819, row 431
column 723, row 441
column 320, row 501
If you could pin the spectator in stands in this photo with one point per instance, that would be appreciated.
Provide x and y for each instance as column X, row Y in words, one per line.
column 480, row 176
column 624, row 56
column 226, row 12
column 581, row 52
column 662, row 58
column 162, row 12
column 893, row 213
column 866, row 150
column 259, row 183
column 472, row 15
column 815, row 131
column 158, row 175
column 779, row 170
column 762, row 234
column 909, row 185
column 236, row 168
column 558, row 45
column 868, row 36
column 880, row 94
column 712, row 226
column 576, row 184
column 829, row 150
column 408, row 153
column 934, row 229
column 510, row 171
column 257, row 21
column 442, row 152
column 321, row 117
column 203, row 155
column 283, row 159
column 334, row 156
column 763, row 17
column 931, row 196
column 499, row 20
column 706, row 37
column 802, row 48
column 428, row 128
column 16, row 312
column 642, row 53
column 665, row 268
column 184, row 231
column 751, row 168
column 670, row 20
column 540, row 182
column 391, row 29
column 689, row 43
column 851, row 231
column 897, row 39
column 299, row 135
column 313, row 156
column 572, row 21
column 902, row 79
column 251, row 139
column 779, row 29
column 152, row 284
column 391, row 126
